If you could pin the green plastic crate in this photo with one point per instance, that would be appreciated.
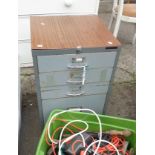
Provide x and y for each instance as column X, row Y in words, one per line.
column 108, row 122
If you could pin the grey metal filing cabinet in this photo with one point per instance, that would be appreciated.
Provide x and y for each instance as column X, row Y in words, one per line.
column 74, row 59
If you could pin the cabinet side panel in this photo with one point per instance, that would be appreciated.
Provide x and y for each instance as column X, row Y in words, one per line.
column 111, row 80
column 37, row 84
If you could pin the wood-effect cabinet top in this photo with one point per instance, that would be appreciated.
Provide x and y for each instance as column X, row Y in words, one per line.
column 64, row 32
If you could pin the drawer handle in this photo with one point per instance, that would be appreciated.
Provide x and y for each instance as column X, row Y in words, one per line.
column 70, row 108
column 83, row 74
column 78, row 94
column 74, row 82
column 77, row 67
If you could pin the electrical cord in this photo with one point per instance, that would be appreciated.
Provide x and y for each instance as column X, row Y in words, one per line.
column 105, row 141
column 71, row 110
column 62, row 120
column 81, row 131
column 75, row 142
column 118, row 141
column 65, row 121
column 55, row 133
column 72, row 136
column 115, row 140
column 74, row 145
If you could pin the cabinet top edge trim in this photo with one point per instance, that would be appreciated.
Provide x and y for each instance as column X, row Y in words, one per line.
column 40, row 52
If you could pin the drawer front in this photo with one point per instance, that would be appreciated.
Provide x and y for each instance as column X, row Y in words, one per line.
column 25, row 55
column 94, row 102
column 62, row 77
column 66, row 91
column 61, row 62
column 57, row 6
column 24, row 29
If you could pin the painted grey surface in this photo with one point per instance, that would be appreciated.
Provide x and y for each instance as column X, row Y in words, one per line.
column 60, row 62
column 53, row 87
column 37, row 83
column 53, row 71
column 45, row 52
column 111, row 80
column 61, row 78
column 94, row 102
column 62, row 91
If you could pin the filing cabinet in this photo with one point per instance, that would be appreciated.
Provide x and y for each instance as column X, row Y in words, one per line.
column 74, row 59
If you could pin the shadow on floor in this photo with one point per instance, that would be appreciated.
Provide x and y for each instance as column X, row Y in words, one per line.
column 30, row 128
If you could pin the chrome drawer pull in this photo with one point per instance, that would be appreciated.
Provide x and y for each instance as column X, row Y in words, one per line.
column 71, row 94
column 83, row 74
column 77, row 67
column 74, row 82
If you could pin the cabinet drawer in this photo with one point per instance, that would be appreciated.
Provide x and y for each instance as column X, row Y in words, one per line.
column 24, row 29
column 64, row 91
column 61, row 62
column 57, row 6
column 62, row 77
column 25, row 55
column 94, row 102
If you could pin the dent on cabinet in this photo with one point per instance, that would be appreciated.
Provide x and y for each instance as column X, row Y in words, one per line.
column 28, row 8
column 74, row 59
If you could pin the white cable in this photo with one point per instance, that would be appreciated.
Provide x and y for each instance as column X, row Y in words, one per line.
column 77, row 109
column 72, row 136
column 70, row 110
column 100, row 142
column 69, row 138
